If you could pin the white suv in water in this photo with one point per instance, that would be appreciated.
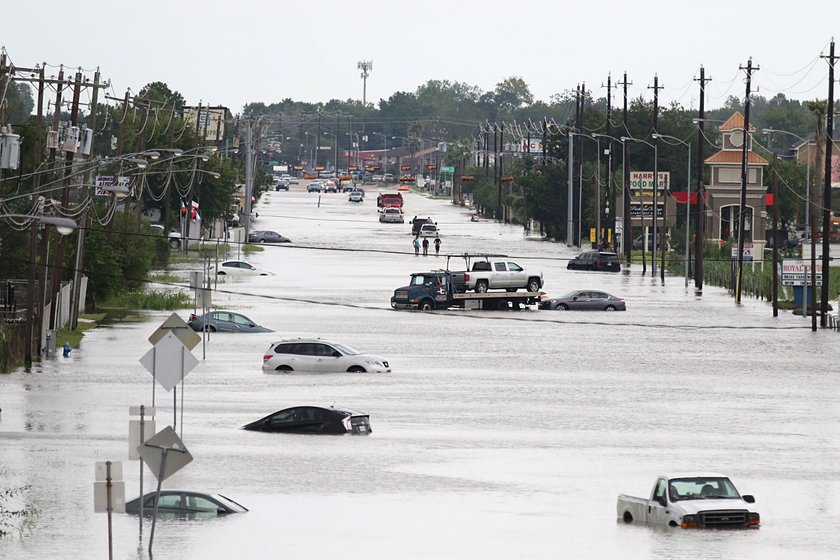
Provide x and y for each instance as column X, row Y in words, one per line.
column 320, row 356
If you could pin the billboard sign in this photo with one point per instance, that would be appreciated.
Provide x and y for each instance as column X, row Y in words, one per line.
column 636, row 210
column 642, row 181
column 109, row 181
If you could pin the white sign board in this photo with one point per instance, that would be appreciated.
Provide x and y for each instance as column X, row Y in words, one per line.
column 100, row 497
column 110, row 181
column 643, row 180
column 748, row 252
column 169, row 361
column 134, row 436
column 797, row 272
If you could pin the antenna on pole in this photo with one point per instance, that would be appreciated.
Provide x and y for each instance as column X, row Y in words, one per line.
column 365, row 66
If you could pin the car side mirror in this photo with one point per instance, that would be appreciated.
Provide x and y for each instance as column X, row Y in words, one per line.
column 574, row 298
column 336, row 354
column 251, row 325
column 749, row 498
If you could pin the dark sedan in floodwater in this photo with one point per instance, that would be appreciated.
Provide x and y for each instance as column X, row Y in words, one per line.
column 185, row 502
column 585, row 300
column 267, row 236
column 313, row 420
column 225, row 321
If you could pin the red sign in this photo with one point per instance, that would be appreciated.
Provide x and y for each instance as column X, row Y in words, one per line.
column 405, row 168
column 431, row 167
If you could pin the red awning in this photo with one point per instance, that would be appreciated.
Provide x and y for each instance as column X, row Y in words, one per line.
column 680, row 197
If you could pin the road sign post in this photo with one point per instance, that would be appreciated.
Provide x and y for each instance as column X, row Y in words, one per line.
column 137, row 430
column 109, row 494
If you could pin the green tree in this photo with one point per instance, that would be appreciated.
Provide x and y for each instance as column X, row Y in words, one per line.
column 512, row 93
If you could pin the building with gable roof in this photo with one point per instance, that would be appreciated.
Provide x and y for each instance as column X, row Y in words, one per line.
column 723, row 192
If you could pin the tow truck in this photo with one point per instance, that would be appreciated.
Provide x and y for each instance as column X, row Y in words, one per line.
column 447, row 289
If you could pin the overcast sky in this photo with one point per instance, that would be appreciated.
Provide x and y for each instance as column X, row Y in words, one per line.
column 237, row 51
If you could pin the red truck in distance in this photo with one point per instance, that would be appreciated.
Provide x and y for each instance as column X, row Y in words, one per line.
column 389, row 200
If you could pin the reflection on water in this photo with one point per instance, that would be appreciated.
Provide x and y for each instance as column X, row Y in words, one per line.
column 498, row 435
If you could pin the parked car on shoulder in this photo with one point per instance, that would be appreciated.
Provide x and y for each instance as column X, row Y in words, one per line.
column 225, row 321
column 320, row 356
column 584, row 300
column 595, row 260
column 267, row 236
column 185, row 502
column 311, row 419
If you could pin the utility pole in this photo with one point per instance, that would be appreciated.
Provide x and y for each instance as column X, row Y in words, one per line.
column 829, row 127
column 570, row 180
column 700, row 222
column 744, row 177
column 365, row 66
column 249, row 175
column 610, row 194
column 487, row 150
column 318, row 140
column 58, row 259
column 33, row 231
column 626, row 233
column 775, row 272
column 656, row 240
column 579, row 198
column 75, row 305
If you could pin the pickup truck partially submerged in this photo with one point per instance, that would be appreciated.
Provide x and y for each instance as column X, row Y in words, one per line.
column 697, row 501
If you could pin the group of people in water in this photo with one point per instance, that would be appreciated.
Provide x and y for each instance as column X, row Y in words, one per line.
column 425, row 244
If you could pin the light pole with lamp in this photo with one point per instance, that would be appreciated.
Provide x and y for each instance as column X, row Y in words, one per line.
column 385, row 157
column 688, row 197
column 655, row 240
column 64, row 226
column 625, row 226
column 335, row 152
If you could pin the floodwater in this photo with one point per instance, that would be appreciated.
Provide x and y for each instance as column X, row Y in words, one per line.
column 498, row 435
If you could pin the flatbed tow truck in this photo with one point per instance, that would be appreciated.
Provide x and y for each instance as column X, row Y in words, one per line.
column 447, row 289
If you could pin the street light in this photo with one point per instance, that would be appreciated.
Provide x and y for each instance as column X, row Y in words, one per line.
column 655, row 239
column 625, row 226
column 385, row 157
column 64, row 226
column 688, row 196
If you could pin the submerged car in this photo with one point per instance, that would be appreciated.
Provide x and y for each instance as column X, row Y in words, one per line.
column 313, row 420
column 240, row 268
column 595, row 260
column 585, row 300
column 225, row 321
column 267, row 236
column 185, row 502
column 320, row 356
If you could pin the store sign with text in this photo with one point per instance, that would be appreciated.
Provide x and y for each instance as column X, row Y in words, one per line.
column 643, row 181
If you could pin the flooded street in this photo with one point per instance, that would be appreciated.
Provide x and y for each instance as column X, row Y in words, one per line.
column 497, row 435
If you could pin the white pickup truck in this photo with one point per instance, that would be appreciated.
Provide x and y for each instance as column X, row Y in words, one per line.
column 500, row 273
column 696, row 501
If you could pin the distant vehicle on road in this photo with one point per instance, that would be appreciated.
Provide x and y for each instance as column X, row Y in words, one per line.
column 595, row 260
column 314, row 186
column 267, row 236
column 331, row 419
column 417, row 223
column 185, row 502
column 585, row 300
column 225, row 321
column 429, row 230
column 384, row 200
column 356, row 196
column 320, row 356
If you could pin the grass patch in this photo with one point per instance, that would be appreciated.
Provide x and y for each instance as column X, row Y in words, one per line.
column 248, row 249
column 149, row 299
column 163, row 277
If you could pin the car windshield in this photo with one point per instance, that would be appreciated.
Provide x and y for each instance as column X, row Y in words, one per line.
column 702, row 488
column 345, row 349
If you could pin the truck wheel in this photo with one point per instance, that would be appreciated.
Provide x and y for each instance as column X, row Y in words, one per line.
column 481, row 286
column 175, row 243
column 627, row 517
column 533, row 285
column 426, row 305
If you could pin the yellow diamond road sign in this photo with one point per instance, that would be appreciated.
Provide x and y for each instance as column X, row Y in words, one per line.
column 179, row 328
